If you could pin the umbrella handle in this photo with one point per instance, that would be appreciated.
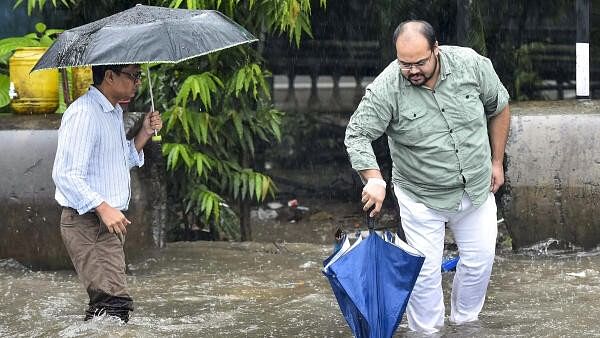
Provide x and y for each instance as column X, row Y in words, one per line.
column 371, row 221
column 155, row 137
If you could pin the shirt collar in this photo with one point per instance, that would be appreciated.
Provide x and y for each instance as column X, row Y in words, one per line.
column 97, row 96
column 445, row 66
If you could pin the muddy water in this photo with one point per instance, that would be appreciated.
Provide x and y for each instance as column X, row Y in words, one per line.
column 206, row 289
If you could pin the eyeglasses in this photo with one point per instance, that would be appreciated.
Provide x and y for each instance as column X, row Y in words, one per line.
column 134, row 77
column 419, row 64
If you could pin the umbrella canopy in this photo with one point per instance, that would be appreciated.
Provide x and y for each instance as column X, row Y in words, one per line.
column 144, row 34
column 372, row 280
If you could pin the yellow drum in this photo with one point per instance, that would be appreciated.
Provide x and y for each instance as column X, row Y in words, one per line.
column 82, row 79
column 36, row 93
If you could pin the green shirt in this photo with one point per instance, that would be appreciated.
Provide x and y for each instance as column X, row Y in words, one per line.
column 438, row 138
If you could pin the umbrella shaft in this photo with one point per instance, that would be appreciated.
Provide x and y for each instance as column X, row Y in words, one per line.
column 151, row 94
column 150, row 88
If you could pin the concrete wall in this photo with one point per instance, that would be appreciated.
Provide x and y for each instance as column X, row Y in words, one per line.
column 553, row 173
column 29, row 215
column 552, row 185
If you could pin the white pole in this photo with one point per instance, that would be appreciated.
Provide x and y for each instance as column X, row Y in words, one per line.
column 582, row 49
column 582, row 70
column 156, row 137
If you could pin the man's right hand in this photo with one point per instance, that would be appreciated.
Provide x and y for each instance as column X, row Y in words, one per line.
column 373, row 194
column 114, row 219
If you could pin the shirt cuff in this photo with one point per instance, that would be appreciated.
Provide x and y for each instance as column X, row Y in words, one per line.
column 501, row 101
column 362, row 160
column 135, row 158
column 89, row 205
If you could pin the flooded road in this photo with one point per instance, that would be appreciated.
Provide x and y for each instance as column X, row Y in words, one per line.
column 219, row 289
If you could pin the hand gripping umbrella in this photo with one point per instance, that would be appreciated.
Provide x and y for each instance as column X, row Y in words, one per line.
column 372, row 280
column 144, row 34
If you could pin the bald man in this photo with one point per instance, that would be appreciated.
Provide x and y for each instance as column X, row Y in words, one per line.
column 446, row 116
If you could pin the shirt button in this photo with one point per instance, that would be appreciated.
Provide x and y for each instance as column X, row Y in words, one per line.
column 415, row 115
column 456, row 151
column 450, row 131
column 443, row 110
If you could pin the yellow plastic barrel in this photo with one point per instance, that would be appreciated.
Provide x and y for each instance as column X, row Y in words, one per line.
column 82, row 79
column 37, row 93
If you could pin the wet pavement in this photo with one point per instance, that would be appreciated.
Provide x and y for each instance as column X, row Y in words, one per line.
column 221, row 289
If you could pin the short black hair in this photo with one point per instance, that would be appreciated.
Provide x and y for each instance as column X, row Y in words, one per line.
column 99, row 71
column 426, row 30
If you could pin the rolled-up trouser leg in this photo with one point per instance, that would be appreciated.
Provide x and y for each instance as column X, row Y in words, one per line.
column 99, row 261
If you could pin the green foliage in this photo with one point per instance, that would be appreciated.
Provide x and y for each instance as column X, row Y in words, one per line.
column 508, row 43
column 4, row 86
column 39, row 4
column 525, row 75
column 291, row 17
column 249, row 77
column 218, row 108
column 42, row 37
column 476, row 36
column 199, row 86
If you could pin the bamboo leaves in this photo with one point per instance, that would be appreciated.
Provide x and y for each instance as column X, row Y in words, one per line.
column 252, row 185
column 206, row 201
column 199, row 86
column 217, row 118
column 32, row 4
column 249, row 77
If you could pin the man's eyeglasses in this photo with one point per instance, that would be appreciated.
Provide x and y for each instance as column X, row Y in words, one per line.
column 419, row 64
column 134, row 77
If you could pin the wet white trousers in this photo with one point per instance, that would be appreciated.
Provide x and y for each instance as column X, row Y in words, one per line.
column 474, row 231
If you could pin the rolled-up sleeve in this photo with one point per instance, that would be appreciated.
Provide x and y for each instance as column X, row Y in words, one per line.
column 369, row 122
column 493, row 93
column 135, row 158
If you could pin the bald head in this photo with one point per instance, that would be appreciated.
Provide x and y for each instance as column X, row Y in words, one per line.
column 413, row 30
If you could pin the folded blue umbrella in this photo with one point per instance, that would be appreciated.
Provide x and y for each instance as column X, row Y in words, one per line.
column 372, row 280
column 450, row 264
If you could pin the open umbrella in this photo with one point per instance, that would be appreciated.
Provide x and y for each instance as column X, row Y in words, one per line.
column 372, row 280
column 144, row 34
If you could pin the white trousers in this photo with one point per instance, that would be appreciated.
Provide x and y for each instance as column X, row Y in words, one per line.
column 474, row 231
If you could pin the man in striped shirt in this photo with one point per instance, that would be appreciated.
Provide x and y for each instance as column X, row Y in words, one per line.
column 91, row 174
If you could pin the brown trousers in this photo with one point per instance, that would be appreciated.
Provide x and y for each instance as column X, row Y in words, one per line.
column 99, row 261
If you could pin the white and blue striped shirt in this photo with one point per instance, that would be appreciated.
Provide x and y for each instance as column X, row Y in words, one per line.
column 93, row 157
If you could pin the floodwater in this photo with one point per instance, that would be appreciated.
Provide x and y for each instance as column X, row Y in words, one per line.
column 219, row 289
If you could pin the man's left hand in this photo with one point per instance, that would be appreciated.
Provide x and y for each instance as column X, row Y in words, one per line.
column 152, row 122
column 497, row 176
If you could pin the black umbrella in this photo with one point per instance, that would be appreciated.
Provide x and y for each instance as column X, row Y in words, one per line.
column 144, row 34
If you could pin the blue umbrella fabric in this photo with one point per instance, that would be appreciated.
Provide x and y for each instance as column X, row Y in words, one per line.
column 372, row 280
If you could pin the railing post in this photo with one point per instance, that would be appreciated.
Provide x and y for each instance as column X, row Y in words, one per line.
column 314, row 103
column 358, row 90
column 290, row 99
column 336, row 96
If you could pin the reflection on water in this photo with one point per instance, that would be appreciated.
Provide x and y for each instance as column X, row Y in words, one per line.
column 207, row 289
